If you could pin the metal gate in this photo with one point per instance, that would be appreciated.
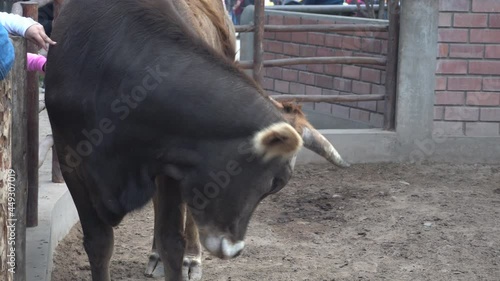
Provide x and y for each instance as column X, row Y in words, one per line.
column 390, row 63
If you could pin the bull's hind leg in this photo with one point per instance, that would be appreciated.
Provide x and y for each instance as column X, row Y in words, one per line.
column 97, row 236
column 191, row 267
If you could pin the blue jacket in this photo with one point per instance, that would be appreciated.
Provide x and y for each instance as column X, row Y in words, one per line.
column 6, row 53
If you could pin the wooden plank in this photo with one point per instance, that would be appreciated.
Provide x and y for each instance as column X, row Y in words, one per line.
column 317, row 60
column 316, row 28
column 19, row 154
column 327, row 99
column 30, row 9
column 392, row 66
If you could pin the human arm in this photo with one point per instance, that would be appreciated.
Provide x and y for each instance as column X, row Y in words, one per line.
column 25, row 27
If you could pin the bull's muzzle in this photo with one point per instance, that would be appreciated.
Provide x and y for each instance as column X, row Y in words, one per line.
column 223, row 247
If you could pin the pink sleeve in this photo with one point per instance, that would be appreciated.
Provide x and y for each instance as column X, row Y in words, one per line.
column 36, row 62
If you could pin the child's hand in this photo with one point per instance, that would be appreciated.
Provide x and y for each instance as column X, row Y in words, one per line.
column 36, row 33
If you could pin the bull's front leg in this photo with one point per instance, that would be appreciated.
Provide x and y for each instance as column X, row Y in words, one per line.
column 169, row 222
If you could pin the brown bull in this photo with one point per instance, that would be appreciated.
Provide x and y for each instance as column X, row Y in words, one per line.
column 209, row 20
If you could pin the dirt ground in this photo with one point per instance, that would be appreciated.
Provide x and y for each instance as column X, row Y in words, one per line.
column 370, row 222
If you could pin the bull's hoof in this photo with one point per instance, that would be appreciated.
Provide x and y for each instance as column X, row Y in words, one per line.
column 154, row 268
column 191, row 268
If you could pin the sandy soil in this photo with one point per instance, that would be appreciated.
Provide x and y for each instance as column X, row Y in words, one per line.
column 370, row 222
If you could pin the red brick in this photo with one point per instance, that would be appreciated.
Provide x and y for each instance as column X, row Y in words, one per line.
column 307, row 51
column 275, row 19
column 334, row 41
column 492, row 52
column 360, row 115
column 342, row 84
column 454, row 5
column 371, row 45
column 470, row 20
column 488, row 6
column 308, row 21
column 441, row 83
column 291, row 20
column 451, row 67
column 480, row 129
column 466, row 51
column 275, row 47
column 306, row 78
column 453, row 35
column 490, row 114
column 317, row 68
column 484, row 67
column 464, row 83
column 317, row 39
column 483, row 98
column 378, row 90
column 297, row 88
column 329, row 92
column 445, row 19
column 299, row 37
column 268, row 84
column 457, row 113
column 290, row 75
column 449, row 128
column 491, row 84
column 494, row 21
column 268, row 56
column 383, row 48
column 351, row 43
column 381, row 106
column 274, row 72
column 323, row 107
column 443, row 50
column 311, row 90
column 360, row 88
column 368, row 105
column 450, row 98
column 269, row 35
column 324, row 81
column 282, row 86
column 485, row 36
column 438, row 112
column 324, row 52
column 333, row 69
column 291, row 49
column 283, row 36
column 370, row 75
column 351, row 71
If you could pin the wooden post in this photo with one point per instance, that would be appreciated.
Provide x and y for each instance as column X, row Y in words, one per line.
column 258, row 38
column 30, row 9
column 13, row 167
column 392, row 65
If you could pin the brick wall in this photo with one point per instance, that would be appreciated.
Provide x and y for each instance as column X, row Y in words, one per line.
column 328, row 79
column 468, row 69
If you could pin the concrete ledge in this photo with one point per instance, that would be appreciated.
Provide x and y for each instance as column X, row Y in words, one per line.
column 56, row 216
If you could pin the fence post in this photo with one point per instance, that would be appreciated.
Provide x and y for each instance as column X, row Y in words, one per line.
column 30, row 9
column 392, row 65
column 258, row 50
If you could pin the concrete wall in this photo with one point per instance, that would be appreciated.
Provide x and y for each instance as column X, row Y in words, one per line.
column 468, row 70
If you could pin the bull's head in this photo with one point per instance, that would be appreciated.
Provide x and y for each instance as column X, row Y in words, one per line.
column 223, row 201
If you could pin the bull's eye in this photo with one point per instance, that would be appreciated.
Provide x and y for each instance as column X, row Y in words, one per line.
column 277, row 185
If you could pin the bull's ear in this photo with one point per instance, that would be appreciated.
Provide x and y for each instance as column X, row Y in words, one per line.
column 277, row 140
